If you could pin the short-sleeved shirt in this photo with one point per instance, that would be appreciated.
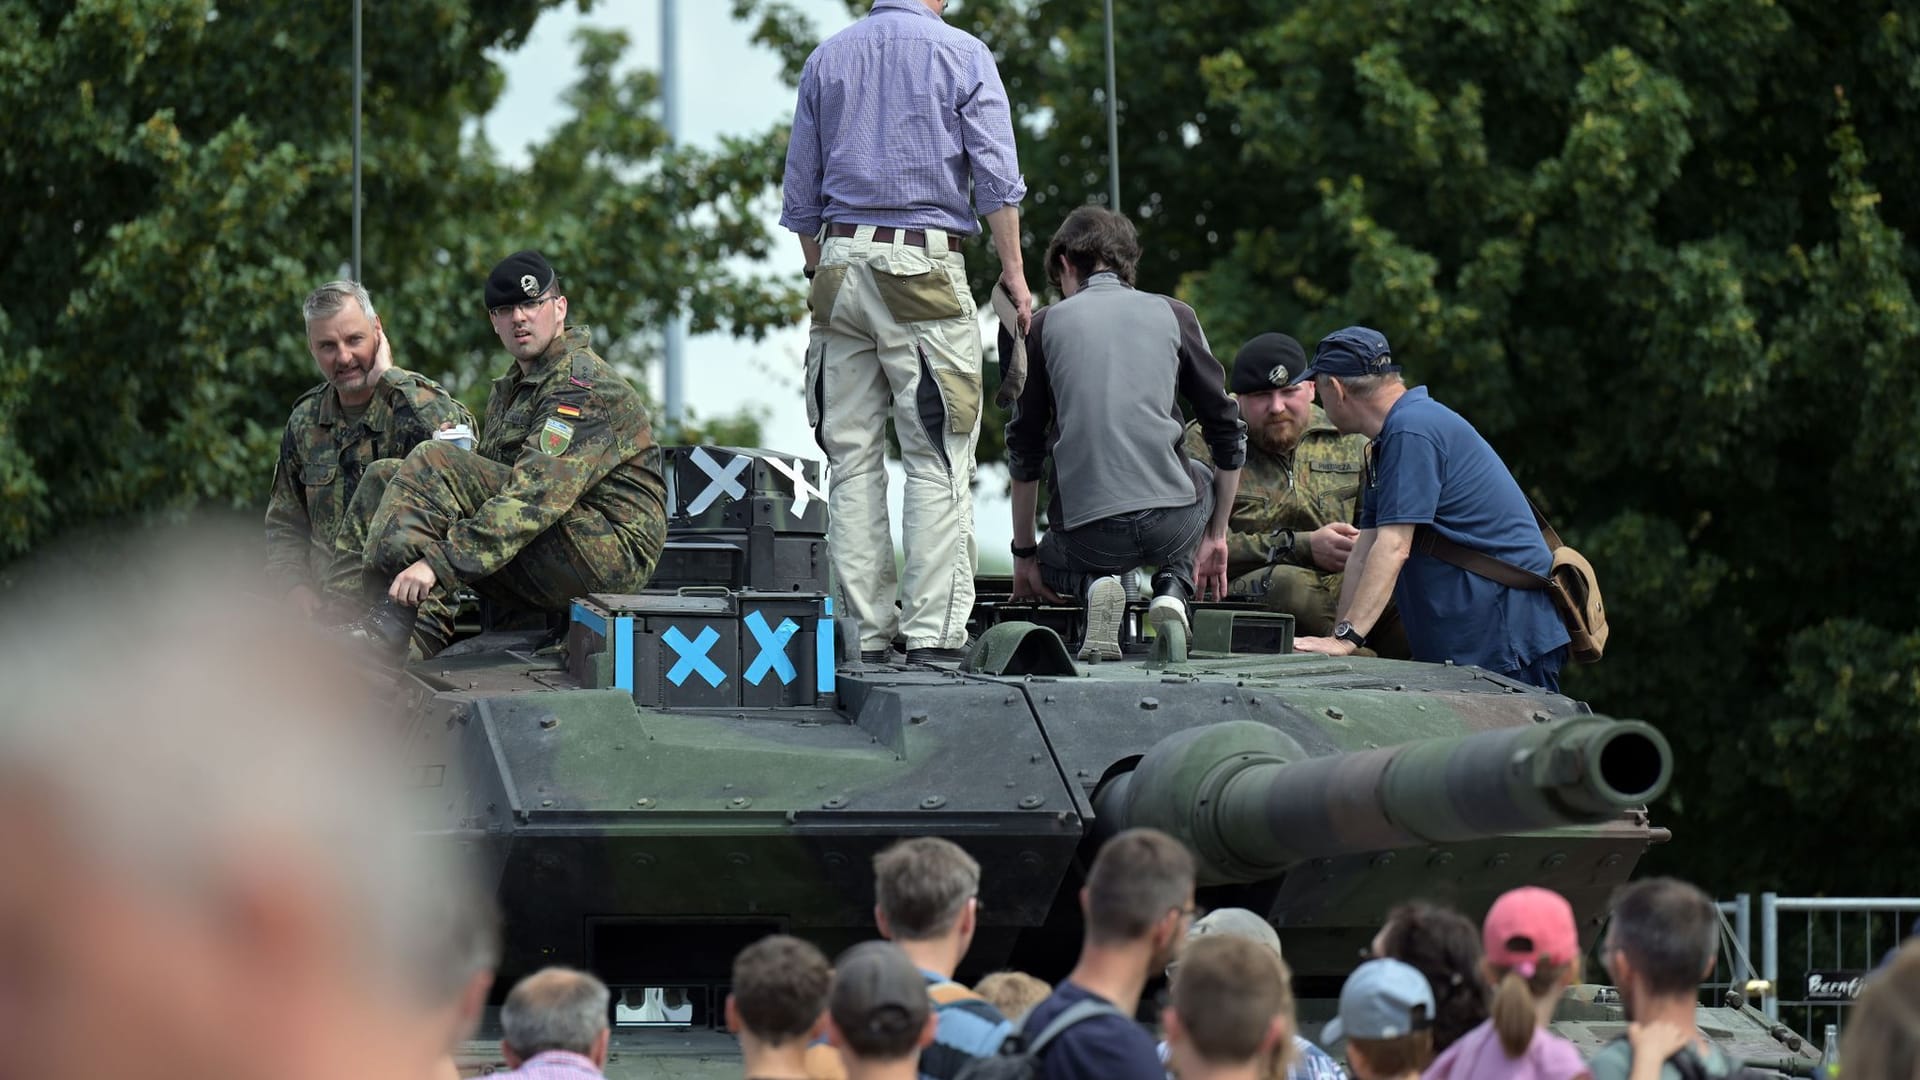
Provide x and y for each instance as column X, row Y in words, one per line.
column 1108, row 1047
column 1430, row 467
column 1478, row 1055
column 1615, row 1060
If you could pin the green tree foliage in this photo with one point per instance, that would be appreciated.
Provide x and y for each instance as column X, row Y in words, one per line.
column 177, row 177
column 1643, row 247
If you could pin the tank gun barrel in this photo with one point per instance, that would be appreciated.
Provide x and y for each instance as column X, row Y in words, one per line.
column 1251, row 803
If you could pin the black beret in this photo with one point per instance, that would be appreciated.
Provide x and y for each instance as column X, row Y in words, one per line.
column 522, row 275
column 1268, row 362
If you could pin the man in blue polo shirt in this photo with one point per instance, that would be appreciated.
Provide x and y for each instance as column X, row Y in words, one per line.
column 1429, row 468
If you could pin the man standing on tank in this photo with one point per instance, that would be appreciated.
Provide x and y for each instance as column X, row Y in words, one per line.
column 901, row 134
column 366, row 410
column 562, row 497
column 1430, row 469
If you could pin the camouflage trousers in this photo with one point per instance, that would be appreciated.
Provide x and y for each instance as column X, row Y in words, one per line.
column 1313, row 599
column 403, row 506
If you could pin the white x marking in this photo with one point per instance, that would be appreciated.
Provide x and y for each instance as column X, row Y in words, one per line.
column 803, row 489
column 723, row 479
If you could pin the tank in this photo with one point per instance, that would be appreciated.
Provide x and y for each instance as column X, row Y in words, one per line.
column 691, row 768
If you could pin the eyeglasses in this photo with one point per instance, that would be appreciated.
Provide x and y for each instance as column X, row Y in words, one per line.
column 524, row 307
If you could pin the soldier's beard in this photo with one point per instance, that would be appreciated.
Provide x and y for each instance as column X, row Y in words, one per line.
column 1277, row 437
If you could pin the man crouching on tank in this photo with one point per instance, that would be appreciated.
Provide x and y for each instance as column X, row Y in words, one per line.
column 562, row 497
column 1105, row 369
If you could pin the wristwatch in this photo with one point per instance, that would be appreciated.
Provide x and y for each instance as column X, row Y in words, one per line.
column 1345, row 632
column 1024, row 552
column 1282, row 550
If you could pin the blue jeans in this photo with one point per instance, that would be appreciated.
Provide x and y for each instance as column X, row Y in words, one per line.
column 1166, row 537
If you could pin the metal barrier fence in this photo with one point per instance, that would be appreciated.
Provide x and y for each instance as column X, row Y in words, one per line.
column 1814, row 965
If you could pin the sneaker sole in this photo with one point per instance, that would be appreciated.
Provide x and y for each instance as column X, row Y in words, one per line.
column 1159, row 615
column 1106, row 604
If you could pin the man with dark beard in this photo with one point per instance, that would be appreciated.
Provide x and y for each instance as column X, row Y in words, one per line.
column 1292, row 523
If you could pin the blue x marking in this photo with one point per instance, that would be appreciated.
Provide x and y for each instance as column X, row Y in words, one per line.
column 693, row 656
column 773, row 648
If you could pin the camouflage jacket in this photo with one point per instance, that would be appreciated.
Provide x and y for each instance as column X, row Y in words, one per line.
column 1317, row 484
column 322, row 457
column 575, row 433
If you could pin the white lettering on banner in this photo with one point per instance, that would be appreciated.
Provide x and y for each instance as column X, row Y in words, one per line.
column 1834, row 985
column 803, row 490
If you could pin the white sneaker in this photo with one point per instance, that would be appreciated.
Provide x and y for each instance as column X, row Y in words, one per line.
column 1106, row 606
column 1167, row 610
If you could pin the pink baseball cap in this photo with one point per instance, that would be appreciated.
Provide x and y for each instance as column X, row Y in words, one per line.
column 1528, row 927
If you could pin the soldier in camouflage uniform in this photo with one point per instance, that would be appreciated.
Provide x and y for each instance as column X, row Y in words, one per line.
column 366, row 410
column 1292, row 525
column 562, row 497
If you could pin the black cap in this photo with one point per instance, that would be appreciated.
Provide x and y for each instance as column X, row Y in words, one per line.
column 1350, row 354
column 878, row 996
column 1268, row 362
column 522, row 275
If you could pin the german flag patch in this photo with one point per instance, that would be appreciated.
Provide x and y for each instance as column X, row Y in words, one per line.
column 570, row 411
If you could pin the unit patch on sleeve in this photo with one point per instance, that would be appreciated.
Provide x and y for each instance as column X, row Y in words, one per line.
column 556, row 437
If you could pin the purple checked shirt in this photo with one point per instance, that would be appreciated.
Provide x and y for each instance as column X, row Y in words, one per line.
column 896, row 113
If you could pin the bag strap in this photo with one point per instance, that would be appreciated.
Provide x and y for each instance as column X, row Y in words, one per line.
column 1428, row 541
column 1078, row 1011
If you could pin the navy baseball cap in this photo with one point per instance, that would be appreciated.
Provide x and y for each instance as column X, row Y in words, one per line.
column 1350, row 354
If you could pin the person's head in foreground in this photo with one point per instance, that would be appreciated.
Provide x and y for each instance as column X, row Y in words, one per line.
column 1013, row 992
column 1660, row 944
column 878, row 1012
column 226, row 882
column 1883, row 1032
column 1386, row 1016
column 1230, row 1011
column 1445, row 946
column 778, row 1003
column 1139, row 896
column 1532, row 956
column 553, row 1012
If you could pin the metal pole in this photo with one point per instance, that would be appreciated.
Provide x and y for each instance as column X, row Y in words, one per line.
column 1770, row 952
column 670, row 115
column 356, row 140
column 1113, row 122
column 1743, row 929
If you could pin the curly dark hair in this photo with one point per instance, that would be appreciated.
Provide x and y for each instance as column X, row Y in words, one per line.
column 1445, row 946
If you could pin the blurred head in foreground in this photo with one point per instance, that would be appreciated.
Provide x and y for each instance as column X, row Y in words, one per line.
column 223, row 881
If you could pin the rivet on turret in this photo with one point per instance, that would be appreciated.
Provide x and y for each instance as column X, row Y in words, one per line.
column 835, row 803
column 1553, row 861
column 1031, row 802
column 739, row 858
column 933, row 802
column 1610, row 861
column 1046, row 699
column 643, row 859
column 739, row 802
column 1498, row 860
column 1439, row 858
column 1385, row 858
column 546, row 802
column 1149, row 704
column 643, row 803
column 917, row 718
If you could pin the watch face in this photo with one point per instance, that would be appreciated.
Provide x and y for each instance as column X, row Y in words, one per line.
column 1342, row 629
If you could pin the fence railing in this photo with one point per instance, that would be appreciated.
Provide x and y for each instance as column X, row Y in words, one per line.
column 1814, row 964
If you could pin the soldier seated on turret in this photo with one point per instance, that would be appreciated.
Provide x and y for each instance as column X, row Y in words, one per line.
column 1292, row 522
column 562, row 497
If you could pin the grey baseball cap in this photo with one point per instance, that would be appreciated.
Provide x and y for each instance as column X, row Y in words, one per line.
column 1232, row 922
column 1382, row 999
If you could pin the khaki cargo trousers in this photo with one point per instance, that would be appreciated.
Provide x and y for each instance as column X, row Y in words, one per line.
column 893, row 334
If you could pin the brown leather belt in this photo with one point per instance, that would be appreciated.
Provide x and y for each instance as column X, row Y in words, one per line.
column 883, row 234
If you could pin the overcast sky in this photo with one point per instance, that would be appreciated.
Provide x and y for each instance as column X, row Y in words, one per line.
column 728, row 86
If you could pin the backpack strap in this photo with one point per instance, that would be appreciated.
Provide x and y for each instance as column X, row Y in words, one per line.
column 1078, row 1011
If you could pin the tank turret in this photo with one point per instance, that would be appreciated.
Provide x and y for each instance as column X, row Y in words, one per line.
column 1251, row 803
